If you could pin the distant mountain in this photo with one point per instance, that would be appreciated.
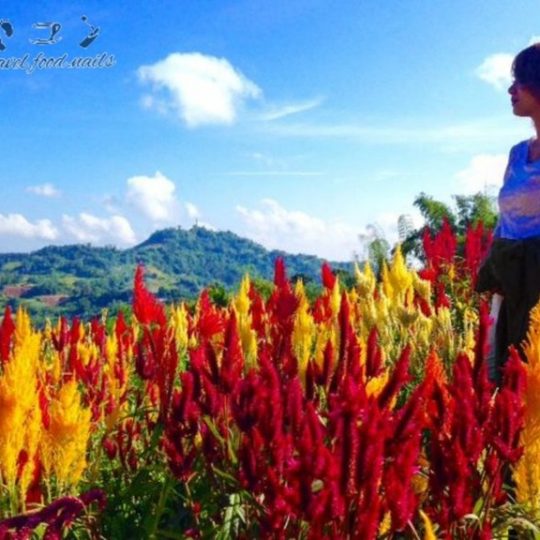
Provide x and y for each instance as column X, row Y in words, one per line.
column 81, row 280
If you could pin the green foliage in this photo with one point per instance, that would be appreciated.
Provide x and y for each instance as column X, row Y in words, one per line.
column 219, row 295
column 470, row 210
column 434, row 212
column 378, row 252
column 263, row 286
column 473, row 209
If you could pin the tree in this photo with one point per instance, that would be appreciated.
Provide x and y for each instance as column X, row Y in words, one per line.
column 472, row 209
column 469, row 211
column 379, row 251
column 434, row 212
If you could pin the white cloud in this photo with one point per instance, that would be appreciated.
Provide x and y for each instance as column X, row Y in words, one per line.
column 200, row 89
column 89, row 228
column 294, row 231
column 18, row 225
column 192, row 210
column 276, row 173
column 496, row 70
column 44, row 190
column 485, row 131
column 276, row 112
column 194, row 213
column 154, row 196
column 483, row 172
column 206, row 225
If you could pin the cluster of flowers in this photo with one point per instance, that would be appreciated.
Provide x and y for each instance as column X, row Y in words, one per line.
column 364, row 414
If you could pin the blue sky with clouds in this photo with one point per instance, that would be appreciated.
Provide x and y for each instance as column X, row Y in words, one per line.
column 298, row 124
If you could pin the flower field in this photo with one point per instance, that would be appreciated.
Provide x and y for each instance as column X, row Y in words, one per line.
column 366, row 413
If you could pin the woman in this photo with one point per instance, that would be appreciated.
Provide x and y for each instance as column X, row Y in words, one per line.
column 512, row 269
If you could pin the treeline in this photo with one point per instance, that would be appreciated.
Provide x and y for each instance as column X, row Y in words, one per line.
column 81, row 280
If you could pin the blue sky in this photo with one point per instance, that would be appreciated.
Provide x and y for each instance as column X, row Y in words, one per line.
column 298, row 124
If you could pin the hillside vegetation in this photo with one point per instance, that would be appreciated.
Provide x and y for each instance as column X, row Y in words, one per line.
column 81, row 280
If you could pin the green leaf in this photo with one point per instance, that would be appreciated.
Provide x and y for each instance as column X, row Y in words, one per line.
column 213, row 429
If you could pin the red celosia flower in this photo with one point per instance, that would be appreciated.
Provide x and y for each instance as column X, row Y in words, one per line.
column 210, row 320
column 399, row 376
column 232, row 361
column 374, row 363
column 6, row 331
column 328, row 277
column 146, row 307
column 477, row 244
column 280, row 274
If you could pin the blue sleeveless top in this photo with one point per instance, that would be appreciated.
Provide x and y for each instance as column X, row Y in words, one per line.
column 519, row 197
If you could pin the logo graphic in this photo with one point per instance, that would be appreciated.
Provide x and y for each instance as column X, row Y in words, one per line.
column 8, row 31
column 94, row 33
column 47, row 33
column 53, row 27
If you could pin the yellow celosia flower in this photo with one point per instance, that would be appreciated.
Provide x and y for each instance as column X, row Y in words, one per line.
column 386, row 284
column 335, row 299
column 20, row 417
column 422, row 287
column 87, row 351
column 375, row 385
column 382, row 308
column 354, row 306
column 304, row 330
column 365, row 281
column 470, row 323
column 322, row 336
column 527, row 471
column 407, row 316
column 248, row 336
column 442, row 331
column 425, row 327
column 23, row 327
column 33, row 438
column 368, row 310
column 242, row 301
column 115, row 386
column 401, row 279
column 451, row 271
column 64, row 443
column 179, row 322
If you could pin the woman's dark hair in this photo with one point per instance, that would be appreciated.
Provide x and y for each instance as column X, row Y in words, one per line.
column 526, row 68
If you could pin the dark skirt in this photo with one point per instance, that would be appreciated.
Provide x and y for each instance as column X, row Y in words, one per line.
column 511, row 269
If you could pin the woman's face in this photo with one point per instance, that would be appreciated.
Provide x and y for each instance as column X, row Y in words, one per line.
column 524, row 103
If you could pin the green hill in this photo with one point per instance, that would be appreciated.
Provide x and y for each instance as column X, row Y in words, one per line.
column 81, row 280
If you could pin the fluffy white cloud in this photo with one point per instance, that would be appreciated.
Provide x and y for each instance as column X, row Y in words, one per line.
column 200, row 89
column 194, row 213
column 484, row 172
column 89, row 228
column 18, row 225
column 275, row 227
column 44, row 190
column 192, row 210
column 154, row 196
column 496, row 70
